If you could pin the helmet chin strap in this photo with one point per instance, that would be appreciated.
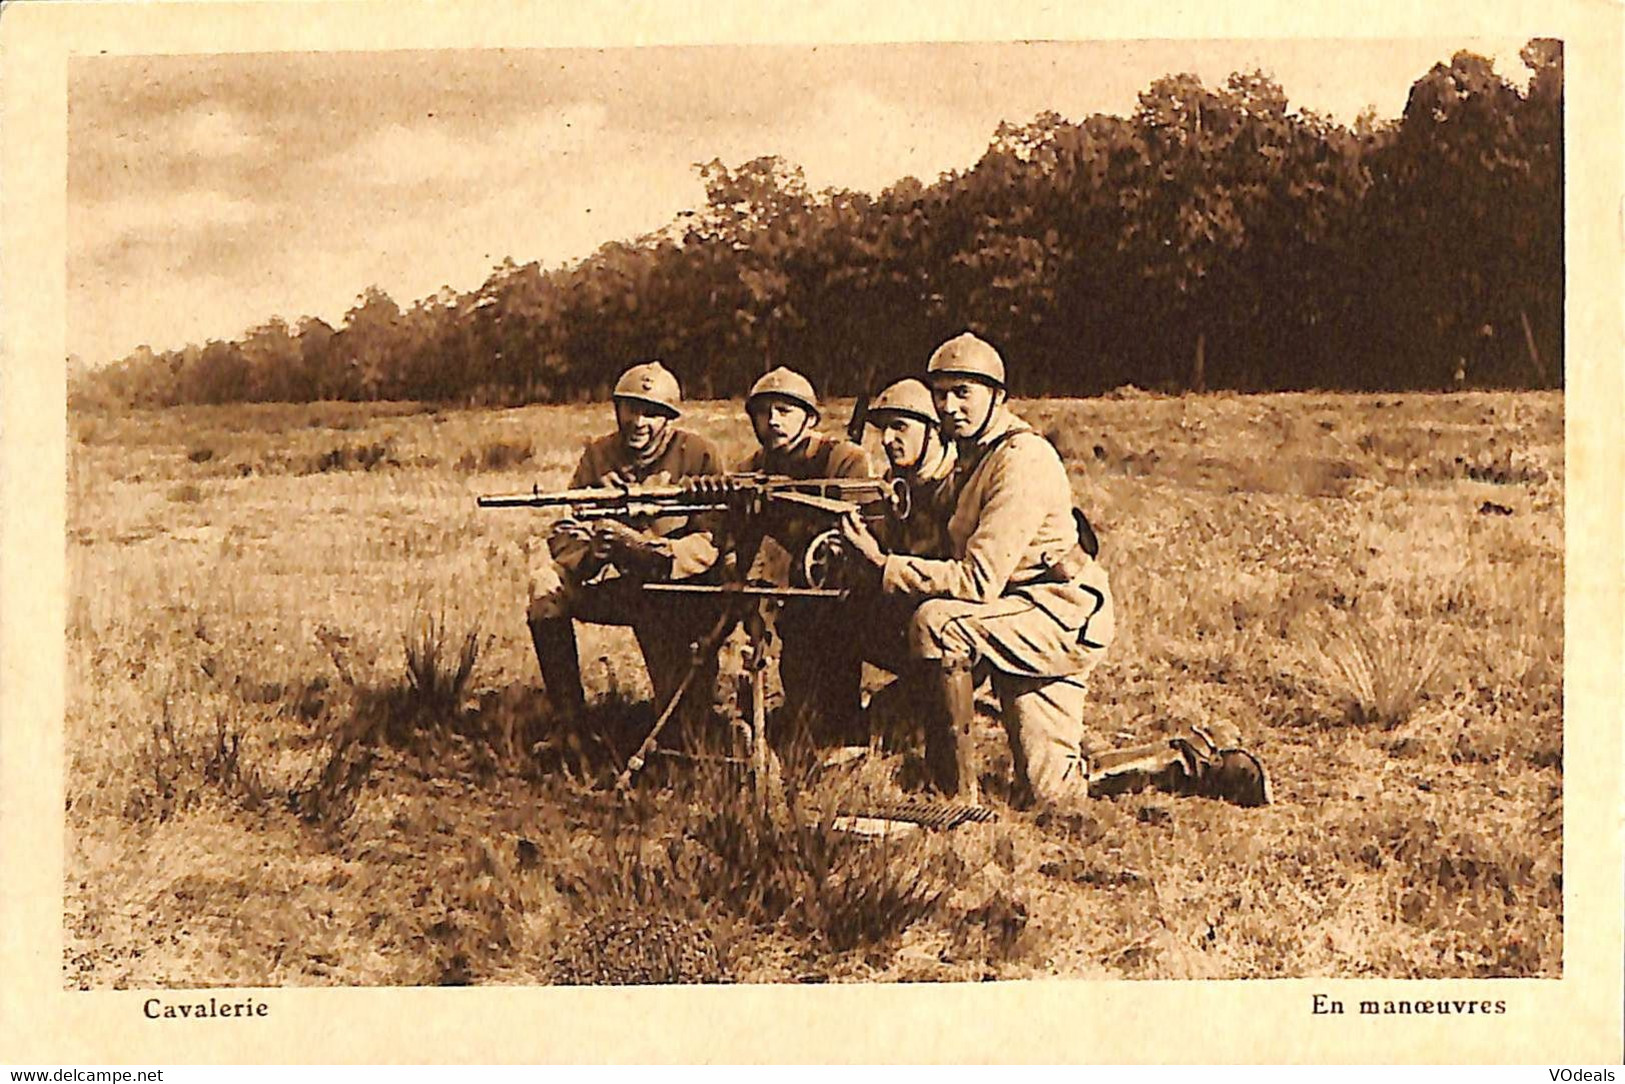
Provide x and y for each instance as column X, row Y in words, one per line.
column 932, row 451
column 993, row 408
column 801, row 435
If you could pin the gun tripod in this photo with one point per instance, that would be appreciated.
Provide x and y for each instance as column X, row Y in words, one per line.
column 748, row 604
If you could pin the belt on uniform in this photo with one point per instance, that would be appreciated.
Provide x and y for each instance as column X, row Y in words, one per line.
column 1067, row 566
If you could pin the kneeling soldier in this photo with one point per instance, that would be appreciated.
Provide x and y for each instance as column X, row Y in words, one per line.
column 923, row 459
column 1019, row 595
column 819, row 664
column 596, row 571
column 918, row 453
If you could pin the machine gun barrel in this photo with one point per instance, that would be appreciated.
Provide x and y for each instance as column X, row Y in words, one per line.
column 596, row 496
column 713, row 492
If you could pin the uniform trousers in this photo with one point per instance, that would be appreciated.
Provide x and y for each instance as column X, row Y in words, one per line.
column 821, row 669
column 1039, row 670
column 666, row 626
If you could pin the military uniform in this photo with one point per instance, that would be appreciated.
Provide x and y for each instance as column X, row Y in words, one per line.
column 683, row 454
column 1017, row 595
column 892, row 713
column 573, row 585
column 820, row 664
column 932, row 495
column 1020, row 595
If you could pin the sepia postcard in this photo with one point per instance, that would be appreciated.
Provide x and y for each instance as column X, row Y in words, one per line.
column 768, row 533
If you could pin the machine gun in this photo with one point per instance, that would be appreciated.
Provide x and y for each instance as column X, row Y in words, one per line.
column 751, row 504
column 799, row 513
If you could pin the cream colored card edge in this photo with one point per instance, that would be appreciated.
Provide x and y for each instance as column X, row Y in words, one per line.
column 1575, row 1019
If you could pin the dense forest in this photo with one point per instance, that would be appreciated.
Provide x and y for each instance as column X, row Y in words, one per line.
column 1215, row 238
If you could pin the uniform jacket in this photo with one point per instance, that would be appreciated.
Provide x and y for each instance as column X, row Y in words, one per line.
column 1010, row 533
column 686, row 454
column 816, row 457
column 931, row 499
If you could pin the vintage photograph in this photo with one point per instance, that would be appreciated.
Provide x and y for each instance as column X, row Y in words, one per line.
column 920, row 512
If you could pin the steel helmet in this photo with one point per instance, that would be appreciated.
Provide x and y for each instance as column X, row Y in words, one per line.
column 651, row 383
column 966, row 355
column 784, row 383
column 909, row 397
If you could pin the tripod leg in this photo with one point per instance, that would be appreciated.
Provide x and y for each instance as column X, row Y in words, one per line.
column 706, row 647
column 756, row 627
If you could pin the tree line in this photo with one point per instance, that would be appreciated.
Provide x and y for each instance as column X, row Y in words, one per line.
column 1214, row 238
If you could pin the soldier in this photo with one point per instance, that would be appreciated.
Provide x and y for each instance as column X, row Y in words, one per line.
column 819, row 663
column 595, row 571
column 916, row 452
column 1021, row 597
column 919, row 455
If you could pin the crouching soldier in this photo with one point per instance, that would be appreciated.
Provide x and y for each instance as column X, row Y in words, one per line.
column 819, row 663
column 595, row 571
column 919, row 455
column 1019, row 596
column 923, row 459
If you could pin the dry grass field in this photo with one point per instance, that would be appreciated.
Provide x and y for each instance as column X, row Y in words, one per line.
column 300, row 689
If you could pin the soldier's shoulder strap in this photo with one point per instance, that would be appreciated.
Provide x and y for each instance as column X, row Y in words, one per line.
column 992, row 446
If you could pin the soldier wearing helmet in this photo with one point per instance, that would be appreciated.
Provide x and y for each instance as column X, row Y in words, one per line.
column 1020, row 596
column 784, row 413
column 593, row 573
column 819, row 664
column 918, row 454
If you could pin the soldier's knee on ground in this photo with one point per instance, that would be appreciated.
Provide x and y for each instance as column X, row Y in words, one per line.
column 1055, row 774
column 1043, row 719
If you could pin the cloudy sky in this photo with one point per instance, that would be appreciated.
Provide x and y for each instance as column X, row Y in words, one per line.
column 207, row 193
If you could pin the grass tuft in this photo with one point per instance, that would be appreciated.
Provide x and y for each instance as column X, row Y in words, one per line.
column 349, row 457
column 1378, row 670
column 497, row 455
column 178, row 767
column 439, row 663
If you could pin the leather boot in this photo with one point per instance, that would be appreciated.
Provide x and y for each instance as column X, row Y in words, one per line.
column 1195, row 763
column 555, row 643
column 950, row 748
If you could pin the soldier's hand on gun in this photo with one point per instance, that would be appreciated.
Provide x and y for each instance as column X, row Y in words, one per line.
column 570, row 543
column 609, row 538
column 857, row 535
column 614, row 541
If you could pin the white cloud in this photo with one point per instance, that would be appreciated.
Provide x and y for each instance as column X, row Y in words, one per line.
column 207, row 131
column 850, row 137
column 433, row 152
column 93, row 225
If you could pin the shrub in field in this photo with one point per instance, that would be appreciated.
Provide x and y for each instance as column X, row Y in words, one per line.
column 327, row 795
column 350, row 457
column 635, row 948
column 186, row 493
column 790, row 864
column 718, row 853
column 1074, row 445
column 497, row 455
column 177, row 767
column 1378, row 669
column 439, row 664
column 428, row 703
